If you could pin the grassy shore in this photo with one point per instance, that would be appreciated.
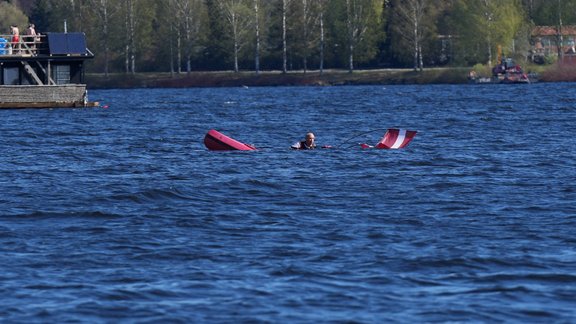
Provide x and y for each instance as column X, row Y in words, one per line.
column 275, row 78
column 310, row 78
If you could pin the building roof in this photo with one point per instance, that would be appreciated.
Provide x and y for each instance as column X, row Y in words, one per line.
column 569, row 30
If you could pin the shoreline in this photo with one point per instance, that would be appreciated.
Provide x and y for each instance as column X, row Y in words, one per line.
column 299, row 78
column 277, row 78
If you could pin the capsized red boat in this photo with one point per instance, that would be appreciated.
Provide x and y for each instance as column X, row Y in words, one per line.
column 216, row 141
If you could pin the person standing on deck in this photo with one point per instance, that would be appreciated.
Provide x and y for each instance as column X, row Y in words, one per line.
column 15, row 38
column 31, row 39
column 307, row 144
column 31, row 31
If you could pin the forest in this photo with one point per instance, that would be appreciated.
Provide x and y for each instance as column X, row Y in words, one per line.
column 179, row 36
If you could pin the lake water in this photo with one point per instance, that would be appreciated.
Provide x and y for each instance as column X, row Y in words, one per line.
column 120, row 214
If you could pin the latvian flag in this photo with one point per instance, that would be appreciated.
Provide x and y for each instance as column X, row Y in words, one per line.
column 396, row 138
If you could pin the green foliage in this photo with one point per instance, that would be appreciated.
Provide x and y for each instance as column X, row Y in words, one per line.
column 242, row 26
column 50, row 16
column 367, row 47
column 11, row 15
column 550, row 59
column 165, row 39
column 367, row 31
column 217, row 36
column 483, row 25
column 336, row 33
column 145, row 34
column 550, row 12
column 482, row 70
column 403, row 17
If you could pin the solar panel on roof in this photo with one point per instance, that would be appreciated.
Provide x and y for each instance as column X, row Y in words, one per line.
column 66, row 43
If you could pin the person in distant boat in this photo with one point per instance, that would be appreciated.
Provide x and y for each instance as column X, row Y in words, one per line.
column 307, row 144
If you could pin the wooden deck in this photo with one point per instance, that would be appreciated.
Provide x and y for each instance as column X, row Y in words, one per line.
column 44, row 96
column 27, row 46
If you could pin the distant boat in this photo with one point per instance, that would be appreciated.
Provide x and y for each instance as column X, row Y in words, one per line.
column 505, row 72
column 44, row 71
column 509, row 72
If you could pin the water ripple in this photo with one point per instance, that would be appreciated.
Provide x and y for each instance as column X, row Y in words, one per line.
column 121, row 214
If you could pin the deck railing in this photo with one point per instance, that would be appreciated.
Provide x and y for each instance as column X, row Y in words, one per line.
column 27, row 45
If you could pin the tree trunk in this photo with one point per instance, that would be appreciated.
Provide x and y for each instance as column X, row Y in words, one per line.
column 102, row 10
column 171, row 44
column 106, row 41
column 421, row 63
column 236, row 44
column 179, row 51
column 560, row 36
column 133, row 38
column 416, row 43
column 321, row 67
column 489, row 18
column 350, row 37
column 490, row 53
column 130, row 36
column 257, row 27
column 284, row 49
column 188, row 47
column 305, row 14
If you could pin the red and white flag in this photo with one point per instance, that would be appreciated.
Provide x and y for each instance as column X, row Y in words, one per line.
column 396, row 138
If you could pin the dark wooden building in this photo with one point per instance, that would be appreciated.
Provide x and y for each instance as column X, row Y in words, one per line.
column 43, row 71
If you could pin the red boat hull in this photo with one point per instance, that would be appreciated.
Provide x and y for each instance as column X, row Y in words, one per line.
column 216, row 141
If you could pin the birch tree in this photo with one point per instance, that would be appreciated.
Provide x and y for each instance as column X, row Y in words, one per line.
column 129, row 51
column 322, row 5
column 309, row 31
column 257, row 31
column 104, row 10
column 239, row 17
column 140, row 33
column 409, row 24
column 285, row 4
column 190, row 17
column 360, row 16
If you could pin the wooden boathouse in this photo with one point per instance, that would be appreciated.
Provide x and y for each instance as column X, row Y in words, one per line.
column 44, row 71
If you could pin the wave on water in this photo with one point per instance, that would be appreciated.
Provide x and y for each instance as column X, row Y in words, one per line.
column 122, row 214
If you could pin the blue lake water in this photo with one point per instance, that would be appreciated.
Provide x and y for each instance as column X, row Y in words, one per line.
column 120, row 213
